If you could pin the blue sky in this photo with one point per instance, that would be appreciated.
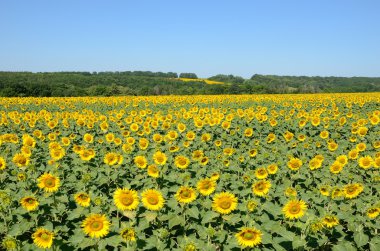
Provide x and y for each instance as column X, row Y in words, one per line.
column 242, row 37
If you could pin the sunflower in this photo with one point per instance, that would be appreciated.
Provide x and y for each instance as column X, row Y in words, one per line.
column 324, row 190
column 353, row 154
column 88, row 138
column 125, row 199
column 261, row 173
column 206, row 186
column 9, row 243
column 365, row 162
column 153, row 171
column 21, row 160
column 251, row 205
column 261, row 188
column 43, row 238
column 224, row 202
column 96, row 225
column 113, row 159
column 315, row 163
column 336, row 167
column 330, row 221
column 336, row 193
column 140, row 161
column 3, row 164
column 373, row 212
column 185, row 195
column 30, row 203
column 290, row 192
column 294, row 164
column 249, row 237
column 128, row 234
column 159, row 158
column 82, row 199
column 181, row 162
column 272, row 169
column 294, row 209
column 352, row 190
column 48, row 182
column 153, row 199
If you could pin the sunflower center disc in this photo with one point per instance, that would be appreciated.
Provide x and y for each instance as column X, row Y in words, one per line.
column 127, row 200
column 49, row 183
column 225, row 204
column 295, row 209
column 45, row 236
column 153, row 200
column 185, row 194
column 96, row 225
column 248, row 236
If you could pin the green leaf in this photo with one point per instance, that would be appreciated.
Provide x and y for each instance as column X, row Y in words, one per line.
column 344, row 246
column 208, row 216
column 298, row 242
column 374, row 244
column 194, row 212
column 176, row 220
column 361, row 239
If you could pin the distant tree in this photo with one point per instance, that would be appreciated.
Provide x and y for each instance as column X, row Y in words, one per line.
column 188, row 75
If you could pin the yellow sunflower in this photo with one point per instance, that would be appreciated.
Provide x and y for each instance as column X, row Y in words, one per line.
column 48, row 182
column 152, row 199
column 365, row 162
column 352, row 190
column 261, row 173
column 324, row 190
column 330, row 221
column 153, row 171
column 336, row 167
column 140, row 161
column 206, row 186
column 294, row 164
column 181, row 162
column 96, row 225
column 261, row 188
column 272, row 169
column 224, row 202
column 125, row 199
column 128, row 234
column 30, row 203
column 21, row 160
column 82, row 199
column 159, row 158
column 113, row 159
column 373, row 212
column 249, row 237
column 43, row 238
column 185, row 195
column 3, row 164
column 294, row 209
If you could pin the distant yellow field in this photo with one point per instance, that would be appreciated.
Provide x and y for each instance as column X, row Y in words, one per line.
column 210, row 82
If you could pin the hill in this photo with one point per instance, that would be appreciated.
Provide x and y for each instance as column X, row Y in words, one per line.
column 50, row 84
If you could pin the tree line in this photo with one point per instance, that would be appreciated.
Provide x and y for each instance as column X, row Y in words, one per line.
column 54, row 84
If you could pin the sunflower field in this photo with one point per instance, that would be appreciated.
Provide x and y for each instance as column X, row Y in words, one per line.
column 264, row 172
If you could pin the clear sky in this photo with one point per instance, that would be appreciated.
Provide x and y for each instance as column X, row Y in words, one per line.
column 241, row 37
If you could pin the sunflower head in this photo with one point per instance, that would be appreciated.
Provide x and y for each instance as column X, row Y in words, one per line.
column 206, row 186
column 48, row 182
column 330, row 221
column 126, row 199
column 29, row 203
column 82, row 199
column 294, row 209
column 96, row 225
column 152, row 199
column 185, row 195
column 128, row 234
column 249, row 237
column 261, row 188
column 9, row 243
column 43, row 238
column 224, row 203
